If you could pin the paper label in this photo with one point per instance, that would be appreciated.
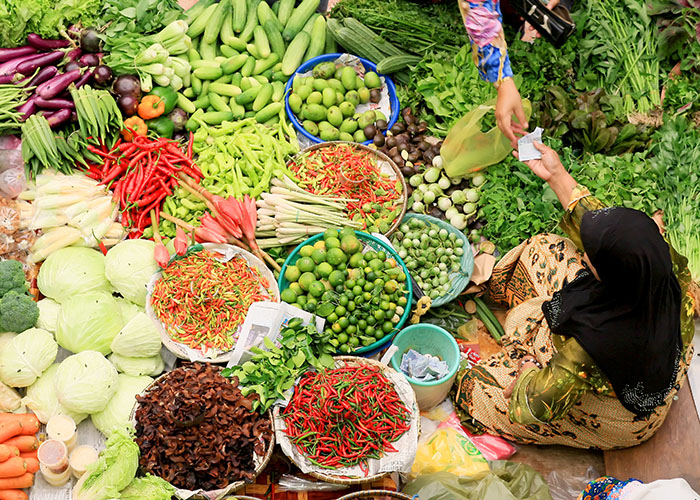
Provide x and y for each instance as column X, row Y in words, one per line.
column 526, row 150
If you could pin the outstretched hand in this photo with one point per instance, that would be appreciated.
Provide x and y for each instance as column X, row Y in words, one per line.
column 547, row 166
column 508, row 104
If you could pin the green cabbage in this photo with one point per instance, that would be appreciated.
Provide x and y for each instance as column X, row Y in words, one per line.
column 24, row 358
column 129, row 266
column 85, row 382
column 70, row 271
column 128, row 309
column 48, row 314
column 138, row 366
column 41, row 398
column 5, row 337
column 138, row 339
column 89, row 322
column 116, row 413
column 148, row 488
column 114, row 470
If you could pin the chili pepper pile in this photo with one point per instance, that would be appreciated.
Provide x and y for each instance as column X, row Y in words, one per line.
column 142, row 173
column 345, row 171
column 201, row 301
column 346, row 416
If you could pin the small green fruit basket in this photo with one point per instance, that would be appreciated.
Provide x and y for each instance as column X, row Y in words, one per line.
column 341, row 291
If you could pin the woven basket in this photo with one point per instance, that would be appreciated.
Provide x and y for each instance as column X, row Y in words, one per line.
column 459, row 280
column 260, row 462
column 341, row 361
column 374, row 494
column 386, row 165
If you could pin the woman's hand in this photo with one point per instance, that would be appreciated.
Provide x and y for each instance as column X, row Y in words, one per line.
column 525, row 363
column 508, row 104
column 550, row 169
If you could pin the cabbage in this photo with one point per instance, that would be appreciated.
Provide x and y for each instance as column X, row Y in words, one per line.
column 117, row 412
column 138, row 339
column 5, row 337
column 48, row 314
column 70, row 271
column 25, row 357
column 149, row 487
column 138, row 366
column 89, row 322
column 85, row 382
column 128, row 309
column 41, row 398
column 114, row 470
column 129, row 266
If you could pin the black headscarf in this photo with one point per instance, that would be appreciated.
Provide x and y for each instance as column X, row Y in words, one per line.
column 629, row 321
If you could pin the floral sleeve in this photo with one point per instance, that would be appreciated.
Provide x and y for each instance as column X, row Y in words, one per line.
column 482, row 20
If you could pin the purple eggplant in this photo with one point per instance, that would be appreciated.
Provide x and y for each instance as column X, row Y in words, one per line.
column 9, row 67
column 9, row 78
column 8, row 54
column 89, row 60
column 54, row 103
column 53, row 87
column 28, row 108
column 43, row 75
column 87, row 76
column 57, row 118
column 73, row 55
column 36, row 41
column 29, row 67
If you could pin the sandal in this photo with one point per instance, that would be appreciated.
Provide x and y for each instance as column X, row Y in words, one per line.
column 555, row 25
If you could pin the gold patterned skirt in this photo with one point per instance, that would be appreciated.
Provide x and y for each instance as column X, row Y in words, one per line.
column 523, row 280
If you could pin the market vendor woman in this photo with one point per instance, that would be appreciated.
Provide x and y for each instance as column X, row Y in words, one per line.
column 597, row 343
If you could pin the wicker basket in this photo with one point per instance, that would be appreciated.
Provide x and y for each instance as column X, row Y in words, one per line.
column 374, row 494
column 386, row 165
column 341, row 361
column 260, row 462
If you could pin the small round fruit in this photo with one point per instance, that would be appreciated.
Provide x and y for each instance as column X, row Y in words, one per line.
column 318, row 256
column 335, row 257
column 306, row 251
column 331, row 243
column 316, row 289
column 324, row 269
column 336, row 278
column 306, row 280
column 306, row 264
column 292, row 273
column 288, row 296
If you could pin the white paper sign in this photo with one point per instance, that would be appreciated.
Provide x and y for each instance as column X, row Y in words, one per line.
column 526, row 150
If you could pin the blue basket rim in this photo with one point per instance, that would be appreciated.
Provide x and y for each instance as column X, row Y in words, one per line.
column 393, row 97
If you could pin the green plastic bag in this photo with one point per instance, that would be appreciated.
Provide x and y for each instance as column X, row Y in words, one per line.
column 467, row 149
column 506, row 481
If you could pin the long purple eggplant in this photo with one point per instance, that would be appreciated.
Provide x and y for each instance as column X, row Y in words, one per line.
column 28, row 108
column 43, row 75
column 73, row 55
column 29, row 67
column 53, row 87
column 36, row 41
column 8, row 54
column 58, row 117
column 9, row 67
column 54, row 103
column 85, row 78
column 9, row 78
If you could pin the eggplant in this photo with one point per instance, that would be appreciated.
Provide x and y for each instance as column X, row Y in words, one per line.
column 57, row 118
column 43, row 75
column 36, row 41
column 54, row 103
column 128, row 104
column 57, row 84
column 28, row 108
column 179, row 118
column 90, row 41
column 9, row 67
column 103, row 74
column 74, row 54
column 72, row 65
column 127, row 85
column 29, row 67
column 9, row 54
column 89, row 60
column 13, row 78
column 84, row 79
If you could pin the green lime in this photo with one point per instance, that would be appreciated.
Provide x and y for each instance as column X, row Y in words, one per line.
column 340, row 310
column 351, row 306
column 335, row 257
column 343, row 322
column 343, row 300
column 306, row 264
column 381, row 255
column 370, row 255
column 327, row 296
column 288, row 295
column 332, row 317
column 369, row 330
column 325, row 269
column 387, row 326
column 336, row 278
column 330, row 233
column 402, row 301
column 354, row 341
column 378, row 333
column 305, row 281
column 306, row 251
column 375, row 264
column 310, row 306
column 357, row 260
column 318, row 256
column 347, row 231
column 296, row 288
column 336, row 327
column 350, row 244
column 342, row 338
column 332, row 242
column 316, row 289
column 345, row 349
column 320, row 245
column 351, row 329
column 292, row 273
column 301, row 300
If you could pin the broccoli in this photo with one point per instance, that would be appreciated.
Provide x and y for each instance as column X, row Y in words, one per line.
column 18, row 312
column 11, row 276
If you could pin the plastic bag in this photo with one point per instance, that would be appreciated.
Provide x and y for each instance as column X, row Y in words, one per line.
column 565, row 486
column 506, row 481
column 12, row 180
column 467, row 149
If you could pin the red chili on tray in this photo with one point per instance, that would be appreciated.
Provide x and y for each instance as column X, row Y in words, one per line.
column 142, row 173
column 345, row 417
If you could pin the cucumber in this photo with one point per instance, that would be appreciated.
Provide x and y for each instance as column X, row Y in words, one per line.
column 275, row 8
column 295, row 53
column 185, row 104
column 278, row 76
column 234, row 63
column 260, row 79
column 308, row 26
column 392, row 64
column 268, row 112
column 261, row 42
column 265, row 14
column 196, row 85
column 253, row 50
column 274, row 37
column 225, row 89
column 211, row 32
column 204, row 63
column 277, row 91
column 285, row 10
column 226, row 32
column 331, row 47
column 207, row 51
column 228, row 51
column 193, row 12
column 188, row 92
column 193, row 55
column 237, row 110
column 217, row 102
column 318, row 39
column 208, row 73
column 203, row 102
column 263, row 97
column 239, row 15
column 248, row 67
column 193, row 123
column 197, row 27
column 223, row 79
column 216, row 117
column 237, row 44
column 262, row 65
column 248, row 96
column 298, row 18
column 251, row 21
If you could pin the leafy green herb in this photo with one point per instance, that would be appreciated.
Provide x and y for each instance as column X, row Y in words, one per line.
column 143, row 17
column 678, row 23
column 272, row 371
